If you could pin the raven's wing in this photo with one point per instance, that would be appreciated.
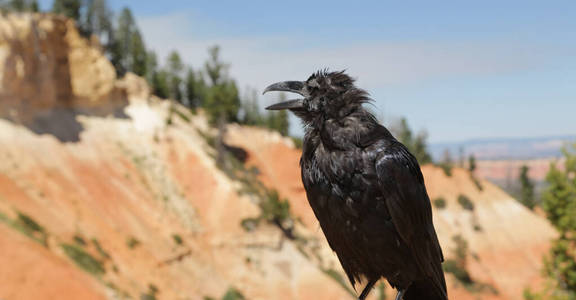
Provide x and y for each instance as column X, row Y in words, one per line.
column 403, row 188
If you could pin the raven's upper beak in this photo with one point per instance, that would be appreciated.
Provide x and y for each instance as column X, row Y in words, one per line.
column 287, row 86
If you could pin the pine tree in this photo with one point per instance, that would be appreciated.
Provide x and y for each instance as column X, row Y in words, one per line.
column 151, row 67
column 20, row 5
column 471, row 163
column 68, row 8
column 404, row 133
column 278, row 120
column 123, row 48
column 526, row 188
column 222, row 100
column 160, row 84
column 559, row 203
column 195, row 88
column 174, row 69
column 420, row 148
column 417, row 145
column 17, row 5
column 97, row 20
column 251, row 110
column 283, row 122
column 138, row 53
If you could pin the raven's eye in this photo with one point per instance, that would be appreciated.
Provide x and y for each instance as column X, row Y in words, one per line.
column 313, row 83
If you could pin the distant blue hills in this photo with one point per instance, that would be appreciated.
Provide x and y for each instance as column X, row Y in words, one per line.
column 504, row 148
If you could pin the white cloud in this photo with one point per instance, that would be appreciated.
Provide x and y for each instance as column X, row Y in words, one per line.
column 261, row 60
column 257, row 61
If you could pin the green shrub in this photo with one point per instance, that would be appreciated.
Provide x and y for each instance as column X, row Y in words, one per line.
column 79, row 240
column 151, row 293
column 476, row 182
column 447, row 168
column 339, row 279
column 274, row 208
column 100, row 250
column 459, row 272
column 440, row 202
column 233, row 294
column 250, row 224
column 457, row 266
column 477, row 227
column 177, row 239
column 26, row 225
column 381, row 291
column 132, row 242
column 84, row 260
column 465, row 202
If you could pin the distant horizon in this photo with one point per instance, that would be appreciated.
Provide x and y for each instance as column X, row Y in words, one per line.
column 514, row 148
column 458, row 70
column 508, row 138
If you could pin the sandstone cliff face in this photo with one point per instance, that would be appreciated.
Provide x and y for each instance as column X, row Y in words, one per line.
column 47, row 69
column 136, row 208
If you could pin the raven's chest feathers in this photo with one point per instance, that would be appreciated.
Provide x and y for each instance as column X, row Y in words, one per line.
column 338, row 171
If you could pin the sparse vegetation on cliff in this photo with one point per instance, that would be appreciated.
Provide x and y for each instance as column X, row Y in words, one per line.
column 84, row 260
column 465, row 202
column 457, row 266
column 26, row 225
column 439, row 202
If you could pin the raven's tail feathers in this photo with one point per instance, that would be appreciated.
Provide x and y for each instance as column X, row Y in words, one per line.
column 424, row 289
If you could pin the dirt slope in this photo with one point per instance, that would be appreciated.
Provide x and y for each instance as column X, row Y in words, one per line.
column 506, row 240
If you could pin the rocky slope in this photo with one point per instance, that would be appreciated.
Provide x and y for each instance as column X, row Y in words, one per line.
column 506, row 240
column 136, row 208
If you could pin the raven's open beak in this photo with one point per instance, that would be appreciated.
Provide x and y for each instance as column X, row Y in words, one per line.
column 287, row 86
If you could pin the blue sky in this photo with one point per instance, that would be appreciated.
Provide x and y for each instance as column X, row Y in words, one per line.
column 459, row 69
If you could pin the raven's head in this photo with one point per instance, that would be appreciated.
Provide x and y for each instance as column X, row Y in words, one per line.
column 325, row 94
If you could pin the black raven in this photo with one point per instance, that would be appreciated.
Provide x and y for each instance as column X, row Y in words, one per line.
column 365, row 188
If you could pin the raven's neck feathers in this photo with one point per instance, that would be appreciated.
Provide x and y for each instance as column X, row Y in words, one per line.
column 357, row 129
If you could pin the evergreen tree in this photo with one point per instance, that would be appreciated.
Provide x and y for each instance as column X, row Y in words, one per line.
column 283, row 124
column 195, row 87
column 20, row 5
column 222, row 100
column 174, row 69
column 128, row 51
column 17, row 5
column 160, row 84
column 68, row 8
column 151, row 67
column 278, row 120
column 447, row 163
column 526, row 188
column 471, row 163
column 404, row 133
column 416, row 145
column 420, row 148
column 138, row 53
column 97, row 20
column 251, row 109
column 559, row 203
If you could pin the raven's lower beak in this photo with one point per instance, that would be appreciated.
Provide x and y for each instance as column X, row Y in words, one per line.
column 287, row 86
column 290, row 104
